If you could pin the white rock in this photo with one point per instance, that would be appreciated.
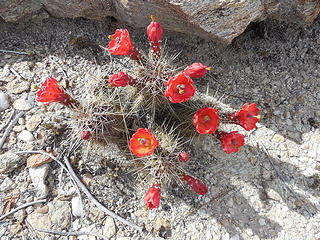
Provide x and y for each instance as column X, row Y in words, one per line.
column 17, row 86
column 21, row 104
column 76, row 205
column 109, row 229
column 7, row 184
column 26, row 136
column 4, row 101
column 38, row 176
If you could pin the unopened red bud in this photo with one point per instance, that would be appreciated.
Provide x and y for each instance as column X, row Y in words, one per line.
column 85, row 135
column 184, row 157
column 196, row 70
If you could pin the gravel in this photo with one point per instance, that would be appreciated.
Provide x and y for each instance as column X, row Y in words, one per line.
column 273, row 64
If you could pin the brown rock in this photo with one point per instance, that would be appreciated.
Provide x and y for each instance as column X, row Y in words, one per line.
column 222, row 20
column 37, row 160
column 43, row 210
column 41, row 221
column 33, row 122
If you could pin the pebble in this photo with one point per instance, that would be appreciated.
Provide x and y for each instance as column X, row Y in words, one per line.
column 38, row 176
column 19, row 128
column 109, row 228
column 7, row 184
column 36, row 160
column 33, row 122
column 22, row 104
column 60, row 214
column 9, row 162
column 278, row 138
column 26, row 136
column 39, row 220
column 4, row 101
column 262, row 221
column 21, row 121
column 17, row 86
column 76, row 205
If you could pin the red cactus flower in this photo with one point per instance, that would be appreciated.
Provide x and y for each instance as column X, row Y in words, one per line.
column 143, row 142
column 121, row 44
column 247, row 117
column 85, row 135
column 196, row 185
column 180, row 88
column 51, row 92
column 231, row 142
column 154, row 32
column 184, row 157
column 206, row 120
column 121, row 79
column 152, row 198
column 196, row 70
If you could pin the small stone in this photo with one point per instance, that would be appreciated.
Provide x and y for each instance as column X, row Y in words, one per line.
column 109, row 229
column 38, row 176
column 17, row 86
column 12, row 139
column 9, row 162
column 60, row 214
column 76, row 207
column 19, row 128
column 272, row 194
column 43, row 210
column 235, row 237
column 262, row 221
column 21, row 121
column 7, row 184
column 26, row 136
column 4, row 101
column 278, row 138
column 39, row 220
column 22, row 104
column 15, row 228
column 37, row 160
column 20, row 215
column 33, row 122
column 161, row 222
column 266, row 174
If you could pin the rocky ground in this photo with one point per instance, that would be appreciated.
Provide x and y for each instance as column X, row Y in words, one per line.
column 251, row 195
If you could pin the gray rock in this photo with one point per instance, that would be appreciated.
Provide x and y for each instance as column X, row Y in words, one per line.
column 7, row 184
column 33, row 122
column 38, row 176
column 17, row 86
column 216, row 19
column 26, row 136
column 22, row 104
column 60, row 214
column 9, row 162
column 39, row 220
column 4, row 101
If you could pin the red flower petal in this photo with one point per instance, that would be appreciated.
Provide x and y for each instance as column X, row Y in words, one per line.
column 196, row 185
column 180, row 88
column 143, row 142
column 153, row 196
column 247, row 117
column 196, row 70
column 206, row 120
column 50, row 92
column 231, row 142
column 121, row 79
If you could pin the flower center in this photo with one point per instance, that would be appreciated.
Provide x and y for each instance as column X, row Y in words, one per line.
column 144, row 142
column 206, row 118
column 180, row 88
column 234, row 142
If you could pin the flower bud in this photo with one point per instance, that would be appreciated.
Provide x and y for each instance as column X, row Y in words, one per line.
column 184, row 157
column 196, row 70
column 85, row 135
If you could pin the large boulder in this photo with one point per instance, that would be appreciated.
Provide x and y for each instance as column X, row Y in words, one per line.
column 223, row 20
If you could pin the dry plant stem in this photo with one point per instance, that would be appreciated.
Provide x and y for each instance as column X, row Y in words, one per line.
column 98, row 204
column 22, row 207
column 284, row 181
column 6, row 133
column 10, row 117
column 16, row 52
column 59, row 66
column 18, row 75
column 70, row 233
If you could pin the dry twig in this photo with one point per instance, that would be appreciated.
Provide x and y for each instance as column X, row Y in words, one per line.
column 70, row 233
column 284, row 180
column 16, row 52
column 12, row 123
column 21, row 207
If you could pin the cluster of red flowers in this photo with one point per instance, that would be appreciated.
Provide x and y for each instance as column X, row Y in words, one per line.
column 206, row 121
